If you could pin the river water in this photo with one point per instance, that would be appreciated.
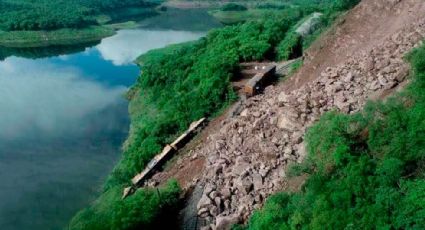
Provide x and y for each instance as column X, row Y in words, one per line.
column 63, row 118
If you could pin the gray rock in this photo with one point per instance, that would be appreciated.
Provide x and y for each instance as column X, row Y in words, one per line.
column 375, row 85
column 258, row 181
column 226, row 222
column 264, row 171
column 349, row 77
column 240, row 168
column 213, row 211
column 205, row 201
column 285, row 123
column 382, row 80
column 244, row 113
column 203, row 212
column 283, row 98
column 244, row 185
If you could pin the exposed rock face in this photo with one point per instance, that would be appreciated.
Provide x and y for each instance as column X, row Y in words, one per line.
column 246, row 159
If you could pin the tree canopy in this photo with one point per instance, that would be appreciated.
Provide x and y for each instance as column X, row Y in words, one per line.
column 48, row 15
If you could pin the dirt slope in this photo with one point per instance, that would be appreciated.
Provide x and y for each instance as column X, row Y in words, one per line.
column 245, row 158
column 364, row 27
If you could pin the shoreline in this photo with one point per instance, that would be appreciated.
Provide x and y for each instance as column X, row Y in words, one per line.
column 185, row 5
column 107, row 26
column 66, row 36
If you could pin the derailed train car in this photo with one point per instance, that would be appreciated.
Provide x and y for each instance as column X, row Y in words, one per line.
column 167, row 153
column 263, row 78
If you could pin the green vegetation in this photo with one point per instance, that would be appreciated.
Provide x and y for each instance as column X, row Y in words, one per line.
column 367, row 170
column 290, row 47
column 233, row 13
column 123, row 25
column 255, row 10
column 146, row 209
column 49, row 15
column 233, row 7
column 180, row 84
column 54, row 37
column 234, row 17
column 126, row 14
column 272, row 5
column 25, row 23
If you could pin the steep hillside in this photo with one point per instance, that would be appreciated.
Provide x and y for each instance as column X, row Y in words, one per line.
column 359, row 59
column 365, row 170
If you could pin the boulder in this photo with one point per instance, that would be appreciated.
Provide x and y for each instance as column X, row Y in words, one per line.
column 204, row 202
column 226, row 222
column 257, row 179
column 240, row 168
column 283, row 98
column 244, row 185
column 285, row 123
column 375, row 85
column 244, row 113
column 203, row 212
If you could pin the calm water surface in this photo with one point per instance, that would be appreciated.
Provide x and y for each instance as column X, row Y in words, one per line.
column 63, row 118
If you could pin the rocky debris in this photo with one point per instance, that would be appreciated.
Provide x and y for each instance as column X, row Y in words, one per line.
column 247, row 157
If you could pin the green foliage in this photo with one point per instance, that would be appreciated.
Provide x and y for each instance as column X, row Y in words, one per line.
column 49, row 15
column 146, row 209
column 367, row 169
column 270, row 5
column 233, row 7
column 295, row 66
column 290, row 46
column 341, row 5
column 299, row 169
column 55, row 37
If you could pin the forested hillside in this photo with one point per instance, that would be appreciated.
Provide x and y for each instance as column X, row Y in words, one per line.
column 49, row 15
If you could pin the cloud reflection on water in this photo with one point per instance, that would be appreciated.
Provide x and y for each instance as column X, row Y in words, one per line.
column 127, row 45
column 39, row 97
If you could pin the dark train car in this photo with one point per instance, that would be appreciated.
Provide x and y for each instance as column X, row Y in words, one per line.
column 260, row 80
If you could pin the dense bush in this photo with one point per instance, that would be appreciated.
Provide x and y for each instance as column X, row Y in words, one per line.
column 368, row 169
column 290, row 47
column 146, row 209
column 42, row 15
column 233, row 7
column 269, row 5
